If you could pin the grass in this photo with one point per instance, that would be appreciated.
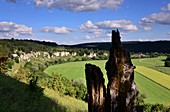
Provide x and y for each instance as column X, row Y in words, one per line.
column 17, row 97
column 155, row 93
column 154, row 63
column 154, row 75
column 71, row 104
column 74, row 70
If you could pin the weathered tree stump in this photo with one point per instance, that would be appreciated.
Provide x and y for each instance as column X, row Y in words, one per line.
column 96, row 88
column 121, row 88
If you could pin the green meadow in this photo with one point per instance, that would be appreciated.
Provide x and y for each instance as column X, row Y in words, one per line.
column 151, row 77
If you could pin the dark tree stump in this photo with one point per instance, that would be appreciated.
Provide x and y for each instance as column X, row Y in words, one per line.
column 95, row 88
column 121, row 88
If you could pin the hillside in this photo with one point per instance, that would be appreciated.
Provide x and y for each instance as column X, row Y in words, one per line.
column 17, row 97
column 132, row 46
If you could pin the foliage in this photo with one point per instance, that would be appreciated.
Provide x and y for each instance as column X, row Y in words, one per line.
column 140, row 99
column 167, row 62
column 17, row 97
column 152, row 108
column 34, row 87
column 10, row 63
column 74, row 88
column 3, row 59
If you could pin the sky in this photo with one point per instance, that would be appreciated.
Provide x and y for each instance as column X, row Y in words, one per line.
column 81, row 21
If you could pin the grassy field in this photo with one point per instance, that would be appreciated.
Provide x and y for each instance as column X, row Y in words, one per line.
column 155, row 93
column 74, row 70
column 156, row 76
column 154, row 63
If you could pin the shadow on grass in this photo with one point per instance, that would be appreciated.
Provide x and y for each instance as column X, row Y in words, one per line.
column 16, row 96
column 163, row 60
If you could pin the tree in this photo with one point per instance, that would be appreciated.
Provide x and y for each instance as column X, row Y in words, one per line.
column 167, row 62
column 3, row 59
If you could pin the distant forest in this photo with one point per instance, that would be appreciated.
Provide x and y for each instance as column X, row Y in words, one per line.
column 133, row 46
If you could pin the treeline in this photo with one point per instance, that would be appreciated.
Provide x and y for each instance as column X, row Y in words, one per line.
column 22, row 45
column 132, row 46
column 147, row 55
column 27, row 46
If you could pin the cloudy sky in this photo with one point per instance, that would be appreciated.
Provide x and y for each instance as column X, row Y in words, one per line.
column 81, row 21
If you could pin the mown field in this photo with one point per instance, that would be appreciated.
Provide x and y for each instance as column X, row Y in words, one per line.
column 150, row 76
column 154, row 63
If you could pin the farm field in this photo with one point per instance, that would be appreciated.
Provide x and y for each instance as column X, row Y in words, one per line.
column 156, row 76
column 154, row 92
column 154, row 89
column 154, row 63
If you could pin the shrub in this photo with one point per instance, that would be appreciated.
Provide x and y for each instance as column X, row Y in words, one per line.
column 34, row 87
column 167, row 64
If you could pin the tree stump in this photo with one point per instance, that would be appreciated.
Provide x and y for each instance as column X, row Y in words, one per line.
column 95, row 88
column 121, row 88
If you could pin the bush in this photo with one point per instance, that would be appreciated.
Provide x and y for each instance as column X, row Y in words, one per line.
column 10, row 64
column 167, row 64
column 34, row 87
column 17, row 59
column 81, row 90
column 155, row 108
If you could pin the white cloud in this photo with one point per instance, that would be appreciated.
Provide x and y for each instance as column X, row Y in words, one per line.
column 166, row 8
column 103, row 29
column 160, row 18
column 124, row 25
column 155, row 18
column 99, row 27
column 79, row 5
column 57, row 30
column 10, row 29
column 88, row 37
column 47, row 40
column 147, row 28
column 168, row 33
column 142, row 40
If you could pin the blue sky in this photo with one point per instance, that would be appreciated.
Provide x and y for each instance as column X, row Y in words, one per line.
column 81, row 21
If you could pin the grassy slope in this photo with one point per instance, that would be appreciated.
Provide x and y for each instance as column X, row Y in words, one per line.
column 16, row 97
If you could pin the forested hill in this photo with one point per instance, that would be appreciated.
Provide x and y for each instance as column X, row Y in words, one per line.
column 132, row 46
column 27, row 45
